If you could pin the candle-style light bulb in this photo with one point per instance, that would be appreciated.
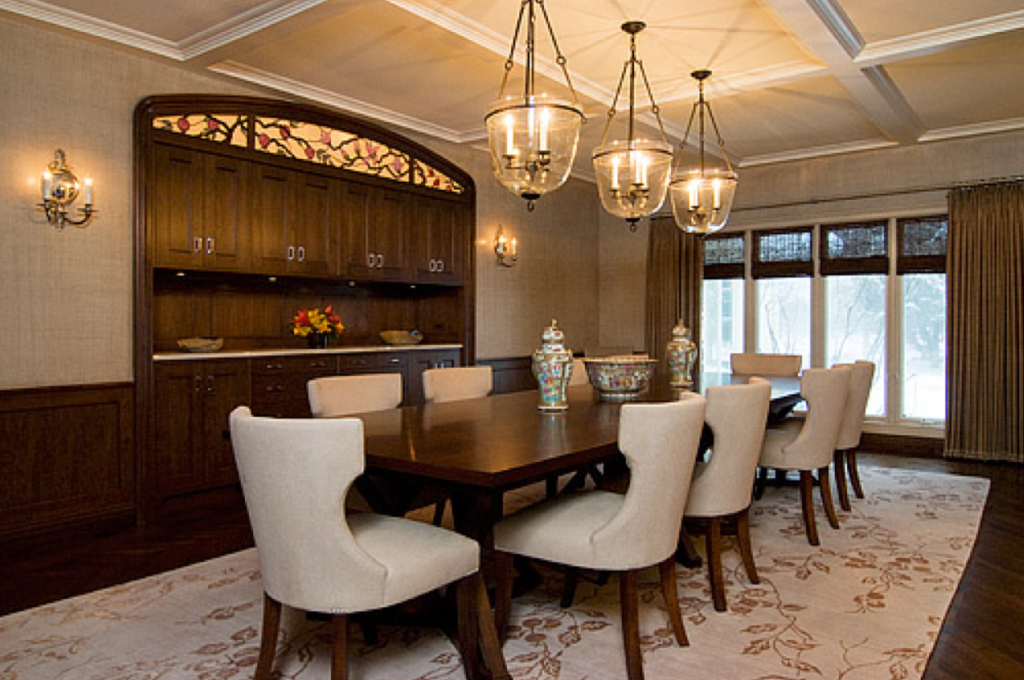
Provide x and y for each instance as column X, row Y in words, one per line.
column 46, row 185
column 88, row 191
column 510, row 147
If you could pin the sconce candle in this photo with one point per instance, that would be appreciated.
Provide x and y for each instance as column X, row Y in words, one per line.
column 506, row 250
column 59, row 188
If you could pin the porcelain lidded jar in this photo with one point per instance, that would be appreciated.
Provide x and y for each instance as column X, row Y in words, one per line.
column 681, row 354
column 552, row 367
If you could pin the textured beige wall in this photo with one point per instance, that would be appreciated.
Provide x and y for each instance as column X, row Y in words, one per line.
column 66, row 298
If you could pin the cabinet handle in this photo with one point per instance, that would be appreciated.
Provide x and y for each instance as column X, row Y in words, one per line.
column 318, row 364
column 274, row 367
column 210, row 245
column 395, row 360
column 380, row 261
column 198, row 381
column 197, row 244
column 370, row 260
column 302, row 254
column 440, row 265
column 433, row 265
column 291, row 253
column 209, row 384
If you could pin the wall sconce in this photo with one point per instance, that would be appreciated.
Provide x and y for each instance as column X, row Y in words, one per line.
column 506, row 249
column 60, row 188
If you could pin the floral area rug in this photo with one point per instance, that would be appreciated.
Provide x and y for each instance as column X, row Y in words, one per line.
column 867, row 603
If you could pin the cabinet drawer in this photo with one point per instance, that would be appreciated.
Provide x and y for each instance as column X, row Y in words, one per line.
column 312, row 365
column 371, row 362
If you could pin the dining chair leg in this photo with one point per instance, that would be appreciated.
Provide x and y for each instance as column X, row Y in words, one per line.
column 629, row 606
column 268, row 636
column 760, row 482
column 568, row 587
column 487, row 632
column 339, row 638
column 839, row 464
column 465, row 603
column 825, row 486
column 671, row 594
column 746, row 547
column 807, row 505
column 851, row 467
column 713, row 541
column 502, row 592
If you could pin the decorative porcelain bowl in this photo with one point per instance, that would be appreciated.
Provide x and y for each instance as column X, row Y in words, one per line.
column 401, row 337
column 200, row 344
column 620, row 378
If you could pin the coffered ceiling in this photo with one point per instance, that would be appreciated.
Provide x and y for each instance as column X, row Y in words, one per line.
column 791, row 78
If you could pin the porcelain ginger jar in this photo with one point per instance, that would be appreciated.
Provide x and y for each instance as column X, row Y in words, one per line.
column 681, row 354
column 552, row 367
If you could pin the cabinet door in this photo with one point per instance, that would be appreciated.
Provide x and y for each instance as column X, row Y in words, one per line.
column 272, row 216
column 357, row 204
column 226, row 241
column 177, row 428
column 439, row 249
column 389, row 222
column 176, row 192
column 225, row 387
column 315, row 224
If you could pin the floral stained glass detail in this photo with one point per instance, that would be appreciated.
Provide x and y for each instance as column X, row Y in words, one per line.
column 330, row 146
column 428, row 176
column 224, row 129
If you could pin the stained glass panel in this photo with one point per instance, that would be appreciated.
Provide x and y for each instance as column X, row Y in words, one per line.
column 329, row 146
column 428, row 176
column 223, row 128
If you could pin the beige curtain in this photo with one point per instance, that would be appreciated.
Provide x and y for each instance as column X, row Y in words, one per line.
column 675, row 271
column 985, row 292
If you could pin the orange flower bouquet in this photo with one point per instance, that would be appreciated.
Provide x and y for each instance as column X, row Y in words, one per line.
column 317, row 325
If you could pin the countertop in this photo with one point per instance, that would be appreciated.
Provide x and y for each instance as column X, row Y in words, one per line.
column 256, row 353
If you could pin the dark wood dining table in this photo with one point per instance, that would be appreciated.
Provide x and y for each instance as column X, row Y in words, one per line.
column 473, row 451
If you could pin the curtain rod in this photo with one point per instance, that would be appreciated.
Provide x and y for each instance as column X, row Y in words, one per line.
column 878, row 194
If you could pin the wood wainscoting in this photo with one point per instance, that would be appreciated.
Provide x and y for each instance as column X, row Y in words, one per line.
column 66, row 458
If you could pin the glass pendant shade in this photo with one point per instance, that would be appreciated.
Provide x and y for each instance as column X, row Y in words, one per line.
column 533, row 142
column 632, row 176
column 702, row 199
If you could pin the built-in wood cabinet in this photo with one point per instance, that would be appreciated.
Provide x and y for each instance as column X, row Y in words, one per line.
column 192, row 402
column 200, row 210
column 295, row 216
column 422, row 361
column 376, row 232
column 440, row 241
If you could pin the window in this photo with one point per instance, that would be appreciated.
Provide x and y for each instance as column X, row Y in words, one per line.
column 921, row 263
column 782, row 264
column 722, row 307
column 854, row 260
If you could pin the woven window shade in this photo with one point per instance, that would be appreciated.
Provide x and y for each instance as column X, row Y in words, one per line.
column 782, row 253
column 856, row 248
column 921, row 245
column 723, row 257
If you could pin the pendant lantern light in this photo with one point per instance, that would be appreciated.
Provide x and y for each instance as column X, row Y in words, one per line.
column 702, row 197
column 633, row 173
column 533, row 137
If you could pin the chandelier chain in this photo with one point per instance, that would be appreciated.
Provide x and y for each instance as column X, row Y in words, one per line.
column 560, row 60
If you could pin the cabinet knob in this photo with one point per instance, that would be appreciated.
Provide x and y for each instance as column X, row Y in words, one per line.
column 198, row 382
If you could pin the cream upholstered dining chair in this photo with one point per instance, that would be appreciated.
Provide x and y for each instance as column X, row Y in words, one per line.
column 862, row 373
column 721, row 488
column 808, row 445
column 579, row 373
column 343, row 395
column 295, row 474
column 766, row 364
column 613, row 532
column 461, row 382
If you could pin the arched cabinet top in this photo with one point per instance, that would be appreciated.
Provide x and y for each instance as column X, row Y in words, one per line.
column 265, row 129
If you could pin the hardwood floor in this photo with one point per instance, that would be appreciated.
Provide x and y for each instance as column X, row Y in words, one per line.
column 980, row 639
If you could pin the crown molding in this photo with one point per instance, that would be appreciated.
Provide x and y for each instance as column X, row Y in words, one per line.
column 98, row 28
column 939, row 39
column 243, row 25
column 958, row 131
column 349, row 104
column 816, row 152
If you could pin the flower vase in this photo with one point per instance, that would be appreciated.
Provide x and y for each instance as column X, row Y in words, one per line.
column 318, row 340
